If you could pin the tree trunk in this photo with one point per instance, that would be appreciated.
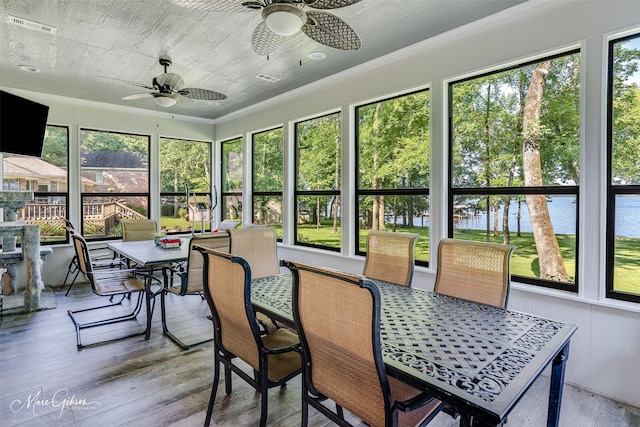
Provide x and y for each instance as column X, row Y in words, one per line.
column 380, row 218
column 496, row 217
column 375, row 180
column 506, row 234
column 549, row 256
column 336, row 180
column 519, row 233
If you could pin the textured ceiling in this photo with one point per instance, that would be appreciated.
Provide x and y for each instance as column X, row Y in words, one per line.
column 123, row 39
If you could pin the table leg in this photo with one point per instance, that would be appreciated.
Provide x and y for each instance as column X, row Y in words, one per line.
column 557, row 382
column 147, row 293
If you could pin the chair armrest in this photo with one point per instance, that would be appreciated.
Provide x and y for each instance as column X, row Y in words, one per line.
column 294, row 347
column 415, row 402
column 114, row 272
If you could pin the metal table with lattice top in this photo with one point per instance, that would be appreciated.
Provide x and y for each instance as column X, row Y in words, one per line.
column 479, row 359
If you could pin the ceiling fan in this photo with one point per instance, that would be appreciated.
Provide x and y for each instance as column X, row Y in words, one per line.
column 283, row 18
column 168, row 90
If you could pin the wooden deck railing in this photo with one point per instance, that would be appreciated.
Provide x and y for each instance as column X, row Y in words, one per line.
column 98, row 218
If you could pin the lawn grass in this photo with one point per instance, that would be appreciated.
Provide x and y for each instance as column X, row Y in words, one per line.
column 524, row 261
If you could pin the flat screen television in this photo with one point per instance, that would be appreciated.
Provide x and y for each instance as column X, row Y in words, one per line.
column 22, row 125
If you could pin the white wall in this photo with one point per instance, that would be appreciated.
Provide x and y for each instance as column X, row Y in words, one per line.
column 607, row 343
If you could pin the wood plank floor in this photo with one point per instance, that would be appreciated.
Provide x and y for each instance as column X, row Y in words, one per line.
column 46, row 381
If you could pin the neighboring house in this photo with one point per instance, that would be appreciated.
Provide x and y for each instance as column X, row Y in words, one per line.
column 34, row 174
column 115, row 172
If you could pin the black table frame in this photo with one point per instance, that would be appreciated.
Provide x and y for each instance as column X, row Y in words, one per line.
column 479, row 359
column 147, row 255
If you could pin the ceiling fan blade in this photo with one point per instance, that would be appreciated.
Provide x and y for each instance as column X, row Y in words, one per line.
column 264, row 41
column 170, row 80
column 331, row 31
column 214, row 5
column 204, row 94
column 128, row 82
column 138, row 96
column 184, row 102
column 329, row 4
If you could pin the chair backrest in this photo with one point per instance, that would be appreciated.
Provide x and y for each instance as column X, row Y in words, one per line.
column 191, row 282
column 138, row 230
column 82, row 252
column 84, row 261
column 228, row 224
column 228, row 293
column 390, row 256
column 258, row 246
column 475, row 271
column 68, row 226
column 338, row 320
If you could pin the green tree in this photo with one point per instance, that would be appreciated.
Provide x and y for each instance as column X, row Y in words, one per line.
column 319, row 144
column 184, row 163
column 55, row 148
column 625, row 157
column 394, row 147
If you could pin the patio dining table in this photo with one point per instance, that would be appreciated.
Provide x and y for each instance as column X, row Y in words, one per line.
column 147, row 255
column 479, row 359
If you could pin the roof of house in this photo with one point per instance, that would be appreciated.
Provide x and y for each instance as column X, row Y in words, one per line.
column 24, row 167
column 34, row 168
column 112, row 159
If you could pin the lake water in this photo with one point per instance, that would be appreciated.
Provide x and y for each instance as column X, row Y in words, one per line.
column 562, row 210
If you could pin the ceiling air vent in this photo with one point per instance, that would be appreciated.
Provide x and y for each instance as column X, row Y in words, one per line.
column 30, row 25
column 267, row 77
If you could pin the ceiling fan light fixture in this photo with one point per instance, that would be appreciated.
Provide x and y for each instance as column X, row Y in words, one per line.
column 165, row 99
column 284, row 19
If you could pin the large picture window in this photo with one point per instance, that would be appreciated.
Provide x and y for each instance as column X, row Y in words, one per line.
column 114, row 173
column 231, row 194
column 393, row 155
column 48, row 178
column 185, row 185
column 623, row 135
column 514, row 165
column 268, row 175
column 317, row 188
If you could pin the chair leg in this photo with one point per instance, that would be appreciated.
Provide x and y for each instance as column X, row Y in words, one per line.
column 305, row 409
column 227, row 379
column 214, row 390
column 130, row 316
column 73, row 266
column 264, row 396
column 339, row 411
column 165, row 326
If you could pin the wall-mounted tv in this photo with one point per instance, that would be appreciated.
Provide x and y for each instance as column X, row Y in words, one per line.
column 22, row 125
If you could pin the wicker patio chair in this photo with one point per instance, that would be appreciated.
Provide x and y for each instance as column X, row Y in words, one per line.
column 475, row 271
column 390, row 256
column 191, row 279
column 112, row 282
column 258, row 246
column 338, row 320
column 228, row 224
column 138, row 230
column 275, row 358
column 101, row 257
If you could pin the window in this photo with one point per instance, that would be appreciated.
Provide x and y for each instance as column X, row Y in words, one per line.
column 47, row 177
column 317, row 188
column 623, row 135
column 514, row 159
column 268, row 175
column 122, row 160
column 185, row 185
column 392, row 149
column 231, row 194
